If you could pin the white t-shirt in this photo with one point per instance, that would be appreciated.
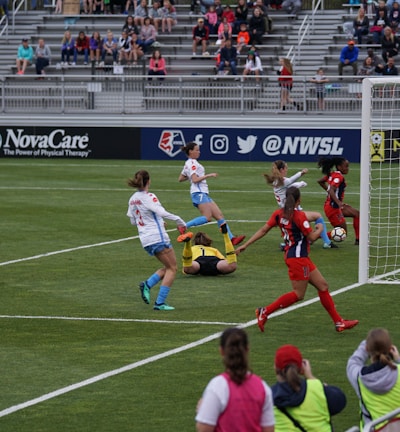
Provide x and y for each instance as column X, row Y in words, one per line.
column 147, row 213
column 280, row 191
column 193, row 167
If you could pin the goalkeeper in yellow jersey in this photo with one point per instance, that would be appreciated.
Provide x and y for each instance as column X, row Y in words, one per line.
column 201, row 258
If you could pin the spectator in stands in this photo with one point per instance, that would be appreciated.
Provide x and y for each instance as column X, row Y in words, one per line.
column 24, row 56
column 382, row 7
column 285, row 80
column 168, row 13
column 243, row 38
column 119, row 4
column 67, row 48
column 109, row 48
column 375, row 59
column 257, row 27
column 253, row 66
column 388, row 69
column 320, row 80
column 200, row 35
column 275, row 4
column 228, row 58
column 147, row 35
column 141, row 12
column 361, row 25
column 130, row 26
column 98, row 7
column 124, row 47
column 87, row 6
column 95, row 47
column 33, row 4
column 43, row 56
column 381, row 21
column 218, row 8
column 204, row 4
column 155, row 14
column 4, row 6
column 241, row 13
column 82, row 46
column 136, row 49
column 390, row 44
column 228, row 14
column 394, row 17
column 157, row 66
column 292, row 7
column 348, row 57
column 367, row 68
column 224, row 32
column 301, row 401
column 221, row 407
column 59, row 7
column 373, row 371
column 211, row 20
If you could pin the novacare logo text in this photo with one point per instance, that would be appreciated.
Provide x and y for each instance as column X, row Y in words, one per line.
column 57, row 139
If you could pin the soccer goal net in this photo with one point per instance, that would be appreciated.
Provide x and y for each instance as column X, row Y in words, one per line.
column 379, row 255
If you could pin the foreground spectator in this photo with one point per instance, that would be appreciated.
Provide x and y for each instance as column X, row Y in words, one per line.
column 390, row 44
column 388, row 69
column 24, row 56
column 124, row 47
column 82, row 46
column 147, row 35
column 67, row 48
column 257, row 27
column 136, row 49
column 43, row 56
column 243, row 38
column 95, row 47
column 361, row 25
column 109, row 48
column 253, row 66
column 348, row 57
column 200, row 37
column 157, row 66
column 320, row 80
column 228, row 58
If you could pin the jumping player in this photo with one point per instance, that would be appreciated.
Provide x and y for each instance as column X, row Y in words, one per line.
column 334, row 183
column 298, row 234
column 278, row 180
column 195, row 173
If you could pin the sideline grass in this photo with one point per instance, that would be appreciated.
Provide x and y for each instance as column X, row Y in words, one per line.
column 51, row 205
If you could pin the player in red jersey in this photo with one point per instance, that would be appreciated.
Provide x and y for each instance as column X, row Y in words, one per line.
column 298, row 234
column 334, row 183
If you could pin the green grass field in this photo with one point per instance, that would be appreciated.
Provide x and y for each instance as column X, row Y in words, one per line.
column 81, row 351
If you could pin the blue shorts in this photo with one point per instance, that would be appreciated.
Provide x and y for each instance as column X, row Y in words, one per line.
column 155, row 248
column 200, row 198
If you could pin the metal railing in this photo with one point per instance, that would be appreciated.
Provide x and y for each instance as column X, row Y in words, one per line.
column 112, row 94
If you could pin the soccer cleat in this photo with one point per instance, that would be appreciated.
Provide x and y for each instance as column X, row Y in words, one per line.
column 237, row 240
column 262, row 317
column 185, row 237
column 145, row 292
column 163, row 307
column 356, row 242
column 282, row 246
column 182, row 229
column 330, row 245
column 345, row 325
column 224, row 228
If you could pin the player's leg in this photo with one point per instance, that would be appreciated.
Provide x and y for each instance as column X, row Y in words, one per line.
column 317, row 218
column 168, row 259
column 349, row 211
column 145, row 286
column 229, row 249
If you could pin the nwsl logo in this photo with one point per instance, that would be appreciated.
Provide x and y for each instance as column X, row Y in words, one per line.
column 171, row 142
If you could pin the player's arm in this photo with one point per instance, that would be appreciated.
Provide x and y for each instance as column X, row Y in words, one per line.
column 196, row 179
column 323, row 182
column 256, row 236
column 288, row 181
column 156, row 207
column 182, row 177
column 315, row 233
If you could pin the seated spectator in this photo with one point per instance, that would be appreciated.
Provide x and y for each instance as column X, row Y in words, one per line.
column 390, row 44
column 155, row 14
column 59, row 7
column 394, row 17
column 243, row 38
column 257, row 27
column 95, row 47
column 228, row 14
column 109, row 48
column 253, row 66
column 24, row 56
column 292, row 7
column 141, row 12
column 81, row 47
column 204, row 5
column 218, row 8
column 43, row 56
column 130, row 26
column 98, row 7
column 168, row 14
column 381, row 21
column 200, row 35
column 367, row 68
column 119, row 4
column 87, row 6
column 67, row 48
column 157, row 66
column 228, row 58
column 136, row 49
column 361, row 25
column 200, row 258
column 241, row 13
column 124, row 47
column 147, row 35
column 301, row 401
column 388, row 69
column 211, row 20
column 373, row 372
column 348, row 57
column 375, row 59
column 4, row 6
column 224, row 33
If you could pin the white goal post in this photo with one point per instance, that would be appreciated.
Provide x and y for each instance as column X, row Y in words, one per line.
column 379, row 250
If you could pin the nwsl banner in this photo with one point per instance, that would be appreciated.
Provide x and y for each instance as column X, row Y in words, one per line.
column 295, row 145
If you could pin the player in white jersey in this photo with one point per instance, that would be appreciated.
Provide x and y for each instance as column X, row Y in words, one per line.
column 146, row 212
column 280, row 183
column 195, row 173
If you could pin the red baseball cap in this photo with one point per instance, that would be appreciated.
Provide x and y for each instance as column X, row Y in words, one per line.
column 286, row 355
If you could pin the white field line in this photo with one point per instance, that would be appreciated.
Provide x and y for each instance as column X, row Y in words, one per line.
column 151, row 359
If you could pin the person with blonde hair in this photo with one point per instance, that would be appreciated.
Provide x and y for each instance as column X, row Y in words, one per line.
column 374, row 373
column 285, row 80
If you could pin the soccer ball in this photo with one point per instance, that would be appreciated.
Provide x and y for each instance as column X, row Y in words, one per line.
column 338, row 234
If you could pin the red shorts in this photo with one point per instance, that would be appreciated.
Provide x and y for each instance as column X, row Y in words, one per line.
column 300, row 268
column 334, row 215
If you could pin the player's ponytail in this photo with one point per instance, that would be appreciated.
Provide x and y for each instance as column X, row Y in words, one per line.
column 188, row 147
column 275, row 177
column 326, row 164
column 292, row 198
column 140, row 180
column 235, row 347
